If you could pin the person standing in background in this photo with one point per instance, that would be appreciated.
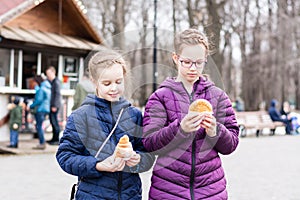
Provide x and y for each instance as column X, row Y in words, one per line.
column 55, row 104
column 15, row 121
column 41, row 104
column 83, row 88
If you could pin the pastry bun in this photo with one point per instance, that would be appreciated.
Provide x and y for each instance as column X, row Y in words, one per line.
column 124, row 148
column 124, row 141
column 201, row 105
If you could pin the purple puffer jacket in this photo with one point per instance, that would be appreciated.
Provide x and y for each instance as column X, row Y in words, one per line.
column 188, row 165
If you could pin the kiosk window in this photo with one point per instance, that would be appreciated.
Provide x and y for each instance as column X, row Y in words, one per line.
column 70, row 65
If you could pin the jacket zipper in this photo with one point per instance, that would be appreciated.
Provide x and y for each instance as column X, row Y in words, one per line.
column 120, row 185
column 119, row 173
column 193, row 170
column 193, row 152
column 190, row 95
column 193, row 160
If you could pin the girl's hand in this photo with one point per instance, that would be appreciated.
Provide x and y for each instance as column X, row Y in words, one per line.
column 134, row 160
column 210, row 125
column 111, row 164
column 191, row 122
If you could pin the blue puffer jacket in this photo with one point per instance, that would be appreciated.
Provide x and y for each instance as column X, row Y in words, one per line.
column 42, row 98
column 86, row 129
column 273, row 112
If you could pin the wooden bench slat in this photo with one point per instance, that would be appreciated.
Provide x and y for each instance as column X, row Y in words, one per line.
column 256, row 120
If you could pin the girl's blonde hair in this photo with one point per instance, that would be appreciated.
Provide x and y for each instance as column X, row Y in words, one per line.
column 190, row 37
column 102, row 59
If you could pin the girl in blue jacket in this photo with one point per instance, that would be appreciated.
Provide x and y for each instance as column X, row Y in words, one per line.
column 104, row 176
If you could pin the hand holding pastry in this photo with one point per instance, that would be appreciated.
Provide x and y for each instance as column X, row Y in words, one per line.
column 134, row 160
column 205, row 111
column 210, row 125
column 111, row 164
column 191, row 122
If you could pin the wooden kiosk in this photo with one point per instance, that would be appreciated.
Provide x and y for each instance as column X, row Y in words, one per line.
column 35, row 34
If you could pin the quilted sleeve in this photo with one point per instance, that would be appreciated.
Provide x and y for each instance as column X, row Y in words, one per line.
column 158, row 134
column 72, row 155
column 227, row 138
column 147, row 159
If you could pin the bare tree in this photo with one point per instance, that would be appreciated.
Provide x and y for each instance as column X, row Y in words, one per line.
column 174, row 17
column 118, row 22
column 265, row 33
column 213, row 28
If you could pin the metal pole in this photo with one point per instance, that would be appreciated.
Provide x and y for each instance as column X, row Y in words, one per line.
column 154, row 48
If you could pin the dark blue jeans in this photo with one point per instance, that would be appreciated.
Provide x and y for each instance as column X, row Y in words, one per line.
column 39, row 118
column 288, row 127
column 55, row 125
column 14, row 134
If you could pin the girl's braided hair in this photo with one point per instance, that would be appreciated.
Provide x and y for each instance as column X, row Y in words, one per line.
column 102, row 59
column 190, row 37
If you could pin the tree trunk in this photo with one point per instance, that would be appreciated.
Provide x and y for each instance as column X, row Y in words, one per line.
column 119, row 25
column 244, row 62
column 144, row 54
column 213, row 30
column 190, row 13
column 174, row 17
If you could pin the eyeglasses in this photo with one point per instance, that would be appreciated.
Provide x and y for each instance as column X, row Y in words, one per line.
column 187, row 63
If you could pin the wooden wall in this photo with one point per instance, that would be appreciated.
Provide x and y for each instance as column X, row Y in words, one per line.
column 45, row 17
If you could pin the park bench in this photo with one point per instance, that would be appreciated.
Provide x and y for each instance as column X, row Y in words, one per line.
column 257, row 120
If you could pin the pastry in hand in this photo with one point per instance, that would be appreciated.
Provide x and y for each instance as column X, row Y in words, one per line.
column 124, row 148
column 201, row 105
column 15, row 126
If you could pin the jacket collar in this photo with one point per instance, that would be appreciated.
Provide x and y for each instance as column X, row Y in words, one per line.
column 92, row 99
column 199, row 86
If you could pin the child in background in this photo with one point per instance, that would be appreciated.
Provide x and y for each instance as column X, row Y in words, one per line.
column 15, row 121
column 287, row 113
column 188, row 143
column 105, row 176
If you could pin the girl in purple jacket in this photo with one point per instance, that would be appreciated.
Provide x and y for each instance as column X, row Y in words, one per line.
column 188, row 165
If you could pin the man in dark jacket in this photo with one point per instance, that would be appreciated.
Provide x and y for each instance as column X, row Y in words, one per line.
column 55, row 104
column 275, row 116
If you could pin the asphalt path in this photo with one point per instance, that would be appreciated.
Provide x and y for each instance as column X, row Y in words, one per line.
column 264, row 168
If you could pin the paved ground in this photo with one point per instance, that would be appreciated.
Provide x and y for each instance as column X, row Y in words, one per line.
column 264, row 168
column 26, row 144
